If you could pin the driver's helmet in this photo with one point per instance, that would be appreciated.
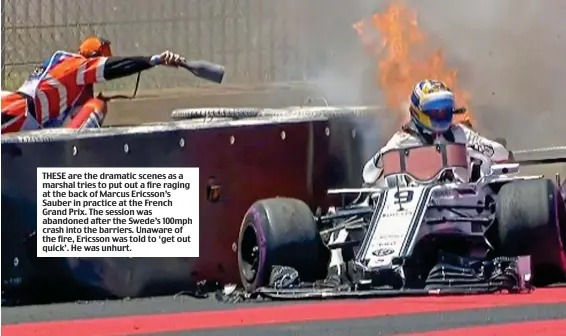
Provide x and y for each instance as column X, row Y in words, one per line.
column 432, row 106
column 95, row 47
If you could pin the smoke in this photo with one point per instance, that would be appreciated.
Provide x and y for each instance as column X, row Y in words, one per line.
column 345, row 74
column 510, row 54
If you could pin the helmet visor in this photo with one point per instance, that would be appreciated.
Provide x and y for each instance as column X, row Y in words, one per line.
column 440, row 111
column 444, row 114
column 438, row 119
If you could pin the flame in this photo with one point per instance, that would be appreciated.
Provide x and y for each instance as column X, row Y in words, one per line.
column 405, row 58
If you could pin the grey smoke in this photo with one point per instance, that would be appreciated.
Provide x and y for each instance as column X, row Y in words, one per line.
column 511, row 56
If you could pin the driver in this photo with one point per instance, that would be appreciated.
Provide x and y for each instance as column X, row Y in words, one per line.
column 52, row 93
column 432, row 108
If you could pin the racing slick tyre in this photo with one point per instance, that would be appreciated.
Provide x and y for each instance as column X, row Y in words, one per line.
column 531, row 219
column 283, row 232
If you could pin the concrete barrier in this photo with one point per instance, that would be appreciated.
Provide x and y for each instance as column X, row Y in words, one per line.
column 537, row 156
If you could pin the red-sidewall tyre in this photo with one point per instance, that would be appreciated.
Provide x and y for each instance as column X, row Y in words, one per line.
column 283, row 232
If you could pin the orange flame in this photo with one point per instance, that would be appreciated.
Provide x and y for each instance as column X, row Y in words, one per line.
column 405, row 58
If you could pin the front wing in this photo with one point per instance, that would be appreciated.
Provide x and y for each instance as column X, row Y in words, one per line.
column 453, row 275
column 349, row 293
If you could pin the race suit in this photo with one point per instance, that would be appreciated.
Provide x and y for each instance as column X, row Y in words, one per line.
column 480, row 147
column 55, row 92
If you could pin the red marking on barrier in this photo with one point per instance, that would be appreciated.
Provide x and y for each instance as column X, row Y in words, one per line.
column 334, row 310
column 538, row 328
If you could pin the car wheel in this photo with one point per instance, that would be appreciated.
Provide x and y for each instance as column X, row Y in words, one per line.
column 279, row 231
column 531, row 218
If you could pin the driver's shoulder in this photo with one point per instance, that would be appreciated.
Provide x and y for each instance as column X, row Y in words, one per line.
column 401, row 138
column 460, row 132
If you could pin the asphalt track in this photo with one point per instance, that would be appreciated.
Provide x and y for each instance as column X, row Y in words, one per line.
column 541, row 313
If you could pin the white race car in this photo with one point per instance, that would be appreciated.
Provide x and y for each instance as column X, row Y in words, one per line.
column 424, row 231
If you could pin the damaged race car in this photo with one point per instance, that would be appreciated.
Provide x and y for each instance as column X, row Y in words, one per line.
column 425, row 230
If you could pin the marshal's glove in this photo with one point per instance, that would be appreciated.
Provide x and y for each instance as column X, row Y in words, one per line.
column 168, row 58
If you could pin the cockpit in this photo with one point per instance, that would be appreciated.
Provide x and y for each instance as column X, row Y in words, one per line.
column 425, row 164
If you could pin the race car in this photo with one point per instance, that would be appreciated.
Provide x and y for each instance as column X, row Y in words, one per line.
column 423, row 231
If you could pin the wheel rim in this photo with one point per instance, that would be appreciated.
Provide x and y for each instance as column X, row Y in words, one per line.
column 249, row 254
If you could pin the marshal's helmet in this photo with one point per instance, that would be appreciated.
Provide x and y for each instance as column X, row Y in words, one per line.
column 95, row 47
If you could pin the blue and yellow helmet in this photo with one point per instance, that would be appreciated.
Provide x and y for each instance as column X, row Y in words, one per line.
column 432, row 106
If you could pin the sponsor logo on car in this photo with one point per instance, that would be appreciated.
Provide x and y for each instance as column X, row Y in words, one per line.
column 401, row 213
column 382, row 252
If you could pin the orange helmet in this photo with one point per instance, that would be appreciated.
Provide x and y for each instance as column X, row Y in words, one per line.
column 94, row 47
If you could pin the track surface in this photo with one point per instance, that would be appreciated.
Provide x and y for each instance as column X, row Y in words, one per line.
column 399, row 316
